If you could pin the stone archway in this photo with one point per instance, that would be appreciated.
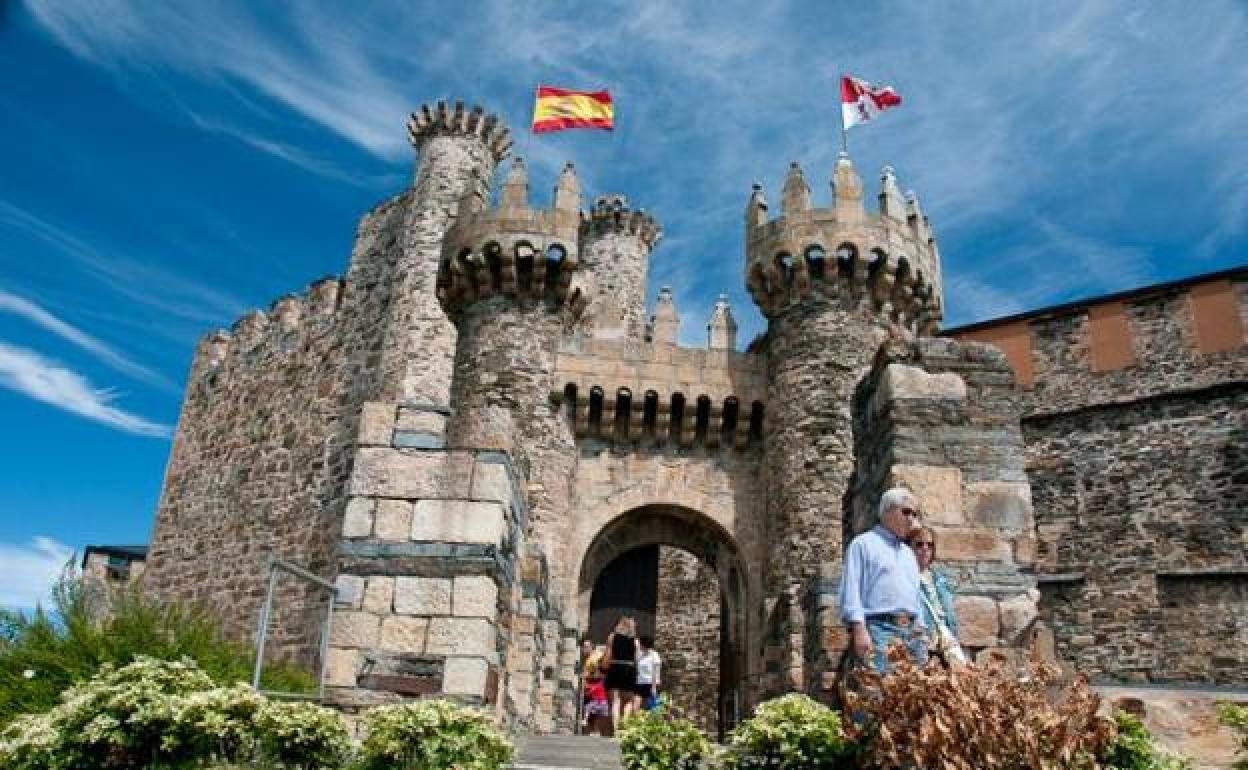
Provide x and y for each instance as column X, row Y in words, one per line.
column 706, row 541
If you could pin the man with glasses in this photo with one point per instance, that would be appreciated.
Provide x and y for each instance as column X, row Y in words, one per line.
column 880, row 602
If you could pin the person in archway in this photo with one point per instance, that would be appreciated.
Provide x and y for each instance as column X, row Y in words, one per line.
column 649, row 666
column 936, row 599
column 880, row 603
column 622, row 669
column 592, row 670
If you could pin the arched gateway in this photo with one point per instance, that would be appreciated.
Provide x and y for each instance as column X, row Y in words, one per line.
column 622, row 572
column 471, row 427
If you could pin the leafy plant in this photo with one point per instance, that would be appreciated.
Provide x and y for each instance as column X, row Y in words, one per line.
column 792, row 732
column 45, row 652
column 301, row 735
column 127, row 717
column 1133, row 748
column 164, row 714
column 657, row 740
column 1236, row 718
column 978, row 718
column 432, row 735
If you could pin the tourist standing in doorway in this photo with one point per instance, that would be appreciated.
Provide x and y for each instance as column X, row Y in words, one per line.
column 648, row 671
column 880, row 601
column 937, row 602
column 594, row 703
column 622, row 669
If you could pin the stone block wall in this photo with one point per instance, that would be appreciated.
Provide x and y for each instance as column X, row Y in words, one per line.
column 941, row 418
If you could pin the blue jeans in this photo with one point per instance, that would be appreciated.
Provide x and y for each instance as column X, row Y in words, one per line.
column 883, row 634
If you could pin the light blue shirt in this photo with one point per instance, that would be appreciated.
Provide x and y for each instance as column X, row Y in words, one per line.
column 881, row 575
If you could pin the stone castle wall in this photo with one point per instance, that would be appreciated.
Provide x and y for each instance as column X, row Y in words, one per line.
column 687, row 636
column 257, row 469
column 1136, row 426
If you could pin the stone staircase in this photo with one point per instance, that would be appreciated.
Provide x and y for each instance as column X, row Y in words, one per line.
column 566, row 752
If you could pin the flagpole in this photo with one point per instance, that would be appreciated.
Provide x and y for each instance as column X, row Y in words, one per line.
column 840, row 103
column 528, row 135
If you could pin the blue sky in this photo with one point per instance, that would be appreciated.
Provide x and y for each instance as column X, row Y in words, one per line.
column 167, row 166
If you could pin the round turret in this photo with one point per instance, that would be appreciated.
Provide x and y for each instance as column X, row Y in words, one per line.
column 884, row 264
column 616, row 241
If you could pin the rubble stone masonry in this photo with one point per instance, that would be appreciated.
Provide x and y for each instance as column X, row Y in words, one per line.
column 1136, row 424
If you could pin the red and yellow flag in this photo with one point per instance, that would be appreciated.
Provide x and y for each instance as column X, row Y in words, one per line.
column 559, row 108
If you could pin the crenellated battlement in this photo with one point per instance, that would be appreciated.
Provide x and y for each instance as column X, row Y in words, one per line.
column 281, row 330
column 661, row 394
column 456, row 121
column 513, row 249
column 612, row 214
column 885, row 262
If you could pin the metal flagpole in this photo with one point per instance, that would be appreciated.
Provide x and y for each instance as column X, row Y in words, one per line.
column 840, row 103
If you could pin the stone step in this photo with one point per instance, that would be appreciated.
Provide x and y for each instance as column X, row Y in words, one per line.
column 566, row 752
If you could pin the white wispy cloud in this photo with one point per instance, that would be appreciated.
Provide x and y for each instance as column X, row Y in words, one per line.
column 29, row 373
column 1011, row 110
column 36, row 314
column 30, row 571
column 145, row 283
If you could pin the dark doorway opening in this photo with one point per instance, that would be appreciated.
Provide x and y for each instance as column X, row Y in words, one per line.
column 675, row 598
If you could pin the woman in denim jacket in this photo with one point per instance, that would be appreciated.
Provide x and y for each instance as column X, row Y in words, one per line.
column 937, row 602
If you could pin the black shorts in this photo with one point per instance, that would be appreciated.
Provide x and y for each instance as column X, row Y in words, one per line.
column 644, row 690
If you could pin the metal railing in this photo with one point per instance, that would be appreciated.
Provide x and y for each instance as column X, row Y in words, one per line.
column 262, row 635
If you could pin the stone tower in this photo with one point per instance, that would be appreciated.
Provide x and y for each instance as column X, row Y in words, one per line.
column 616, row 245
column 458, row 150
column 834, row 284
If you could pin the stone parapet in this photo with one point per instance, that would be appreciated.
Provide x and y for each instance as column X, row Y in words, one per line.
column 513, row 249
column 652, row 395
column 1127, row 347
column 453, row 120
column 886, row 264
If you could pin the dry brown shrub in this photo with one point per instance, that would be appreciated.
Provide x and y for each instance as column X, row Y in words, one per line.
column 991, row 717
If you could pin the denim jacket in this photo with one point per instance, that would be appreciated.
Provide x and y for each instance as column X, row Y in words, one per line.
column 945, row 594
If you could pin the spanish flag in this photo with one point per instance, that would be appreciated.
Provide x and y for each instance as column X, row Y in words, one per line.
column 559, row 108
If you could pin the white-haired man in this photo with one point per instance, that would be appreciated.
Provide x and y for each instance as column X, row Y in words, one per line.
column 880, row 601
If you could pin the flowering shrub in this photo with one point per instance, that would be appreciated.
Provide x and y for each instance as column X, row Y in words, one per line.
column 1236, row 718
column 656, row 740
column 791, row 732
column 124, row 717
column 301, row 735
column 977, row 718
column 155, row 713
column 432, row 735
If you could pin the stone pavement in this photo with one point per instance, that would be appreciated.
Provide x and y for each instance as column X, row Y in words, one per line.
column 567, row 752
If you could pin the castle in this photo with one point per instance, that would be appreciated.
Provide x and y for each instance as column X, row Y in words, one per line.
column 486, row 442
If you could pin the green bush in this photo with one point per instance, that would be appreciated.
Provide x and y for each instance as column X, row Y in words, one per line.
column 45, row 652
column 1236, row 718
column 791, row 732
column 655, row 740
column 432, row 735
column 301, row 735
column 162, row 714
column 123, row 718
column 1133, row 748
